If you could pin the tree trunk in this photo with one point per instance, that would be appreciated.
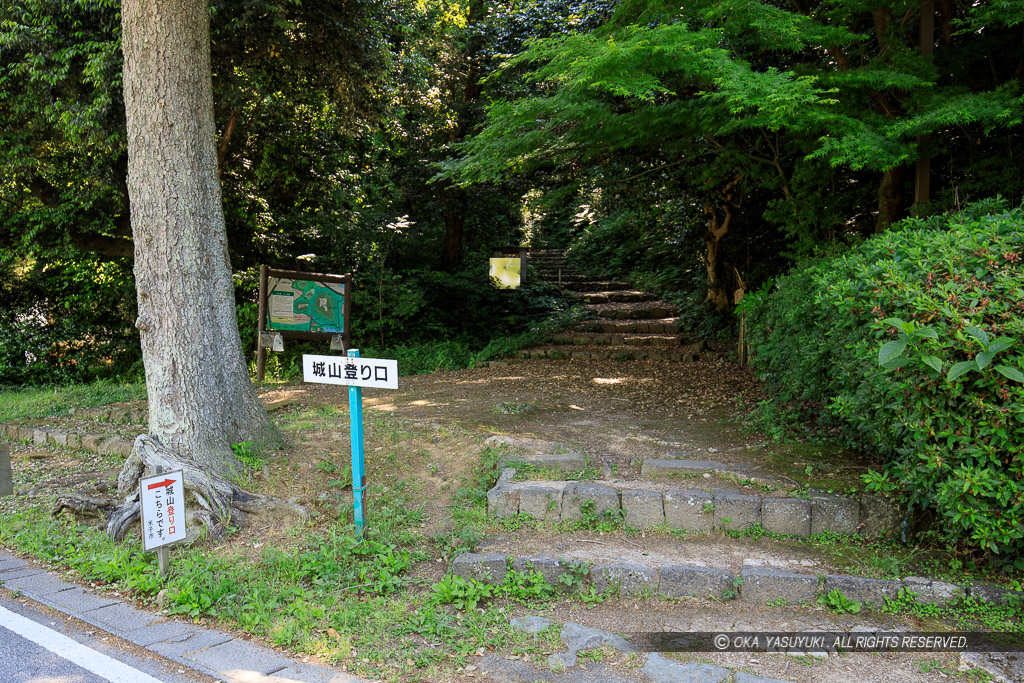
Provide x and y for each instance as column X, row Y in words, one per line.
column 718, row 228
column 200, row 398
column 889, row 197
column 454, row 221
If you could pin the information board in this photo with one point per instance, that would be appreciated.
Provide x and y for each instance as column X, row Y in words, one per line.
column 162, row 503
column 306, row 306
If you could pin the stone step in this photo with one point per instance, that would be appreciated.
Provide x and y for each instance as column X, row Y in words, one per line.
column 639, row 311
column 567, row 276
column 596, row 286
column 617, row 353
column 657, row 326
column 757, row 585
column 690, row 508
column 623, row 296
column 670, row 342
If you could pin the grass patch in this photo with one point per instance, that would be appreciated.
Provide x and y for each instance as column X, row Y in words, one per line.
column 18, row 404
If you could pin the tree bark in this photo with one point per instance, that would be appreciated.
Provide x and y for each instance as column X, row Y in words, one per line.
column 889, row 197
column 200, row 398
column 718, row 227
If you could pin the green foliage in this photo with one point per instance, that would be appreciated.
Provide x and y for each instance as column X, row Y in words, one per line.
column 248, row 455
column 461, row 593
column 912, row 343
column 839, row 603
column 58, row 401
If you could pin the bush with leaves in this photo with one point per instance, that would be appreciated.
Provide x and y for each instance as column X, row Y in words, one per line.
column 914, row 341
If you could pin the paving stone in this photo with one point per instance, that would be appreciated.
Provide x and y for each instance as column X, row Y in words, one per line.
column 869, row 591
column 540, row 502
column 79, row 600
column 742, row 677
column 562, row 660
column 680, row 581
column 123, row 618
column 185, row 642
column 9, row 562
column 503, row 501
column 579, row 638
column 663, row 670
column 484, row 567
column 8, row 575
column 38, row 584
column 933, row 592
column 308, row 673
column 739, row 509
column 628, row 578
column 91, row 442
column 655, row 467
column 878, row 516
column 767, row 584
column 501, row 670
column 551, row 568
column 834, row 513
column 644, row 509
column 530, row 624
column 238, row 657
column 689, row 510
column 576, row 493
column 160, row 631
column 786, row 516
column 993, row 592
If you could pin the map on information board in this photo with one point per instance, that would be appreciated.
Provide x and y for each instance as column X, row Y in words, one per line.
column 306, row 306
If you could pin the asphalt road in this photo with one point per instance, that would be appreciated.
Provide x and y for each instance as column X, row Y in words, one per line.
column 39, row 644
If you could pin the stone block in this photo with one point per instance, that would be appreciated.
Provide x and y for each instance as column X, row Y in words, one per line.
column 576, row 494
column 933, row 592
column 838, row 514
column 551, row 568
column 26, row 433
column 664, row 670
column 742, row 677
column 869, row 591
column 786, row 516
column 562, row 462
column 994, row 593
column 681, row 581
column 503, row 501
column 628, row 578
column 115, row 445
column 58, row 437
column 540, row 502
column 91, row 442
column 878, row 516
column 74, row 440
column 40, row 435
column 79, row 600
column 736, row 511
column 644, row 509
column 484, row 567
column 530, row 624
column 766, row 584
column 689, row 510
column 188, row 640
column 118, row 414
column 579, row 638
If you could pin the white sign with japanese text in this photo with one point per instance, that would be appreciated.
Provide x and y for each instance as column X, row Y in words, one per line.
column 162, row 499
column 379, row 373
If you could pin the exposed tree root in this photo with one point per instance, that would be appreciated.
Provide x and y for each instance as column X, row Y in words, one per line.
column 212, row 501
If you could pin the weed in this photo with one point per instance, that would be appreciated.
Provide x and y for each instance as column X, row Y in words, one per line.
column 733, row 591
column 460, row 593
column 839, row 603
column 247, row 454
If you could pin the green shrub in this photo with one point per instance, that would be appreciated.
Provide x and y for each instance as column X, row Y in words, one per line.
column 913, row 342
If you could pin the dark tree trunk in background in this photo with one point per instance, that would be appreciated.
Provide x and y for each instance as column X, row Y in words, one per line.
column 201, row 400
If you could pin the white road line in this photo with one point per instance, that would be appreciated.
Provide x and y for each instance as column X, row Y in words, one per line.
column 73, row 651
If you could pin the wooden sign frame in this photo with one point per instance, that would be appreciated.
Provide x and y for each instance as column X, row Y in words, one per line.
column 263, row 312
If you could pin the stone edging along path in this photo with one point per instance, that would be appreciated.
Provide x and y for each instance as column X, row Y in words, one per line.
column 695, row 510
column 759, row 585
column 103, row 444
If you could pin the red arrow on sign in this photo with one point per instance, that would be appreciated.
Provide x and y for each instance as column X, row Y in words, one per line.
column 165, row 482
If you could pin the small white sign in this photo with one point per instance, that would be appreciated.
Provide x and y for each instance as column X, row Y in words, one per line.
column 380, row 373
column 162, row 498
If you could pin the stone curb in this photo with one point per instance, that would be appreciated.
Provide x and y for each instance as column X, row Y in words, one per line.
column 214, row 653
column 696, row 510
column 97, row 443
column 759, row 585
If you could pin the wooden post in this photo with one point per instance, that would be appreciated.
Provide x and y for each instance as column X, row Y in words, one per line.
column 261, row 321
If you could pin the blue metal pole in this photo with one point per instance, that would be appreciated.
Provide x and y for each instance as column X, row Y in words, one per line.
column 355, row 409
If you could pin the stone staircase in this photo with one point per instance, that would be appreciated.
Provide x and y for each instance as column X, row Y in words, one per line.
column 628, row 324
